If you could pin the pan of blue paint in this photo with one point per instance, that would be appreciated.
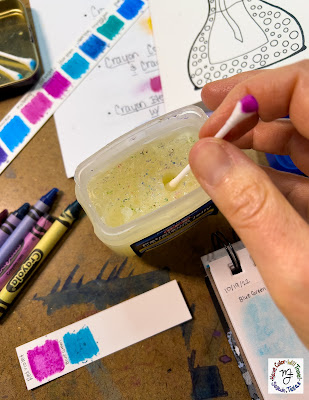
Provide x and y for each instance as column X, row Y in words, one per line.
column 19, row 61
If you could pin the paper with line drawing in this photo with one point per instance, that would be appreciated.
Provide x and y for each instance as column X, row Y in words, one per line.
column 216, row 39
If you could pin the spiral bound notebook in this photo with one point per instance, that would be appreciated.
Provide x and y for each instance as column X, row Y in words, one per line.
column 276, row 360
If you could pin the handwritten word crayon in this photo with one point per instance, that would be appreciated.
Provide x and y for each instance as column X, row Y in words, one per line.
column 24, row 248
column 38, row 210
column 22, row 275
column 3, row 215
column 13, row 220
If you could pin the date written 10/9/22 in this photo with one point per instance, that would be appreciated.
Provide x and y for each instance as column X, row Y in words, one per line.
column 237, row 285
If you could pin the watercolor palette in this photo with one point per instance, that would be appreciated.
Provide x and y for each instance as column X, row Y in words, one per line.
column 39, row 104
column 101, row 334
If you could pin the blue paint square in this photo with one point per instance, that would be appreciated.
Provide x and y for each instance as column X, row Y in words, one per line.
column 76, row 66
column 80, row 346
column 93, row 47
column 130, row 8
column 14, row 132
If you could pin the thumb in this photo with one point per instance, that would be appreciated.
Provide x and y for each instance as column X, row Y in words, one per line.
column 273, row 232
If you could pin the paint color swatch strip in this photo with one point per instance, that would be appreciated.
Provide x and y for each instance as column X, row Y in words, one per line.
column 101, row 334
column 54, row 87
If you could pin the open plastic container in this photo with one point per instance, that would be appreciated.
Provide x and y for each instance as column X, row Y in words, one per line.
column 162, row 224
column 282, row 163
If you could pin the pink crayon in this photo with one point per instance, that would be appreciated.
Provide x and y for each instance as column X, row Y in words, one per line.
column 24, row 248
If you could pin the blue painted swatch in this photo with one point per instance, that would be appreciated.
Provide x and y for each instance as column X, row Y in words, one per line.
column 268, row 331
column 130, row 8
column 76, row 66
column 93, row 47
column 80, row 346
column 111, row 27
column 3, row 155
column 14, row 132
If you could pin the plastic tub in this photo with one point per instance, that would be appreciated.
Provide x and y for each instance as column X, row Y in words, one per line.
column 166, row 220
column 282, row 163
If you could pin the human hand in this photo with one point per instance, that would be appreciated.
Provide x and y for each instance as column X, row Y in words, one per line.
column 268, row 209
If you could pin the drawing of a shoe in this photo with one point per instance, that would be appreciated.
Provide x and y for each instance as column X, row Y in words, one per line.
column 242, row 35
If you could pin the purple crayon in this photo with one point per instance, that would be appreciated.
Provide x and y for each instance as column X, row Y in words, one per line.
column 13, row 220
column 38, row 210
column 24, row 248
column 3, row 215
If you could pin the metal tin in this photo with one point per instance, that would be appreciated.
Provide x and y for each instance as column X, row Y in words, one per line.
column 16, row 39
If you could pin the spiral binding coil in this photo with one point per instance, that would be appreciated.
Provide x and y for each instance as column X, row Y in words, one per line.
column 218, row 241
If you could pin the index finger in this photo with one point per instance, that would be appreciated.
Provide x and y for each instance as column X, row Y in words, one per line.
column 278, row 91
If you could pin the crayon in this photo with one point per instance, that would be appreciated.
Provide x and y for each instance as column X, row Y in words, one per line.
column 13, row 220
column 40, row 208
column 3, row 215
column 22, row 275
column 24, row 248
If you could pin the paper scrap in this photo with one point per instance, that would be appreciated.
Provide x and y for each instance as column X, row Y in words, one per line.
column 101, row 334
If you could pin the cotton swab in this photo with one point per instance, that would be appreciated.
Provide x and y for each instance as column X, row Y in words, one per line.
column 245, row 108
column 29, row 62
column 12, row 74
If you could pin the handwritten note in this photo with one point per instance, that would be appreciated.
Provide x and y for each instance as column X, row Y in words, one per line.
column 123, row 92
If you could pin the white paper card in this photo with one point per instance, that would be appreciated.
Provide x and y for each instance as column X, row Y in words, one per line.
column 262, row 330
column 101, row 334
column 122, row 92
column 205, row 40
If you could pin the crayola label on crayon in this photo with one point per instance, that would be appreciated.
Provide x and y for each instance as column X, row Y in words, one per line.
column 25, row 271
column 173, row 230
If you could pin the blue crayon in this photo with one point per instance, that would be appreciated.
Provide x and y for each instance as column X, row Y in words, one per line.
column 40, row 208
column 13, row 220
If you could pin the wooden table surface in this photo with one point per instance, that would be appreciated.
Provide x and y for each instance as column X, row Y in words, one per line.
column 171, row 365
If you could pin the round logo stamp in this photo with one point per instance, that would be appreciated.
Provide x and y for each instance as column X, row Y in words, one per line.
column 285, row 375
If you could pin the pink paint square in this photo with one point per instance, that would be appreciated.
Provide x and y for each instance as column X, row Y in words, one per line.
column 56, row 85
column 155, row 84
column 46, row 360
column 36, row 108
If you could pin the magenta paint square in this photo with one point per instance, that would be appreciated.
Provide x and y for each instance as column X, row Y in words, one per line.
column 46, row 360
column 56, row 85
column 36, row 108
column 155, row 84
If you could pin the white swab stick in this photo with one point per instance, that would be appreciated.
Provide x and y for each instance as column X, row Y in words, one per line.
column 244, row 108
column 12, row 74
column 29, row 62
